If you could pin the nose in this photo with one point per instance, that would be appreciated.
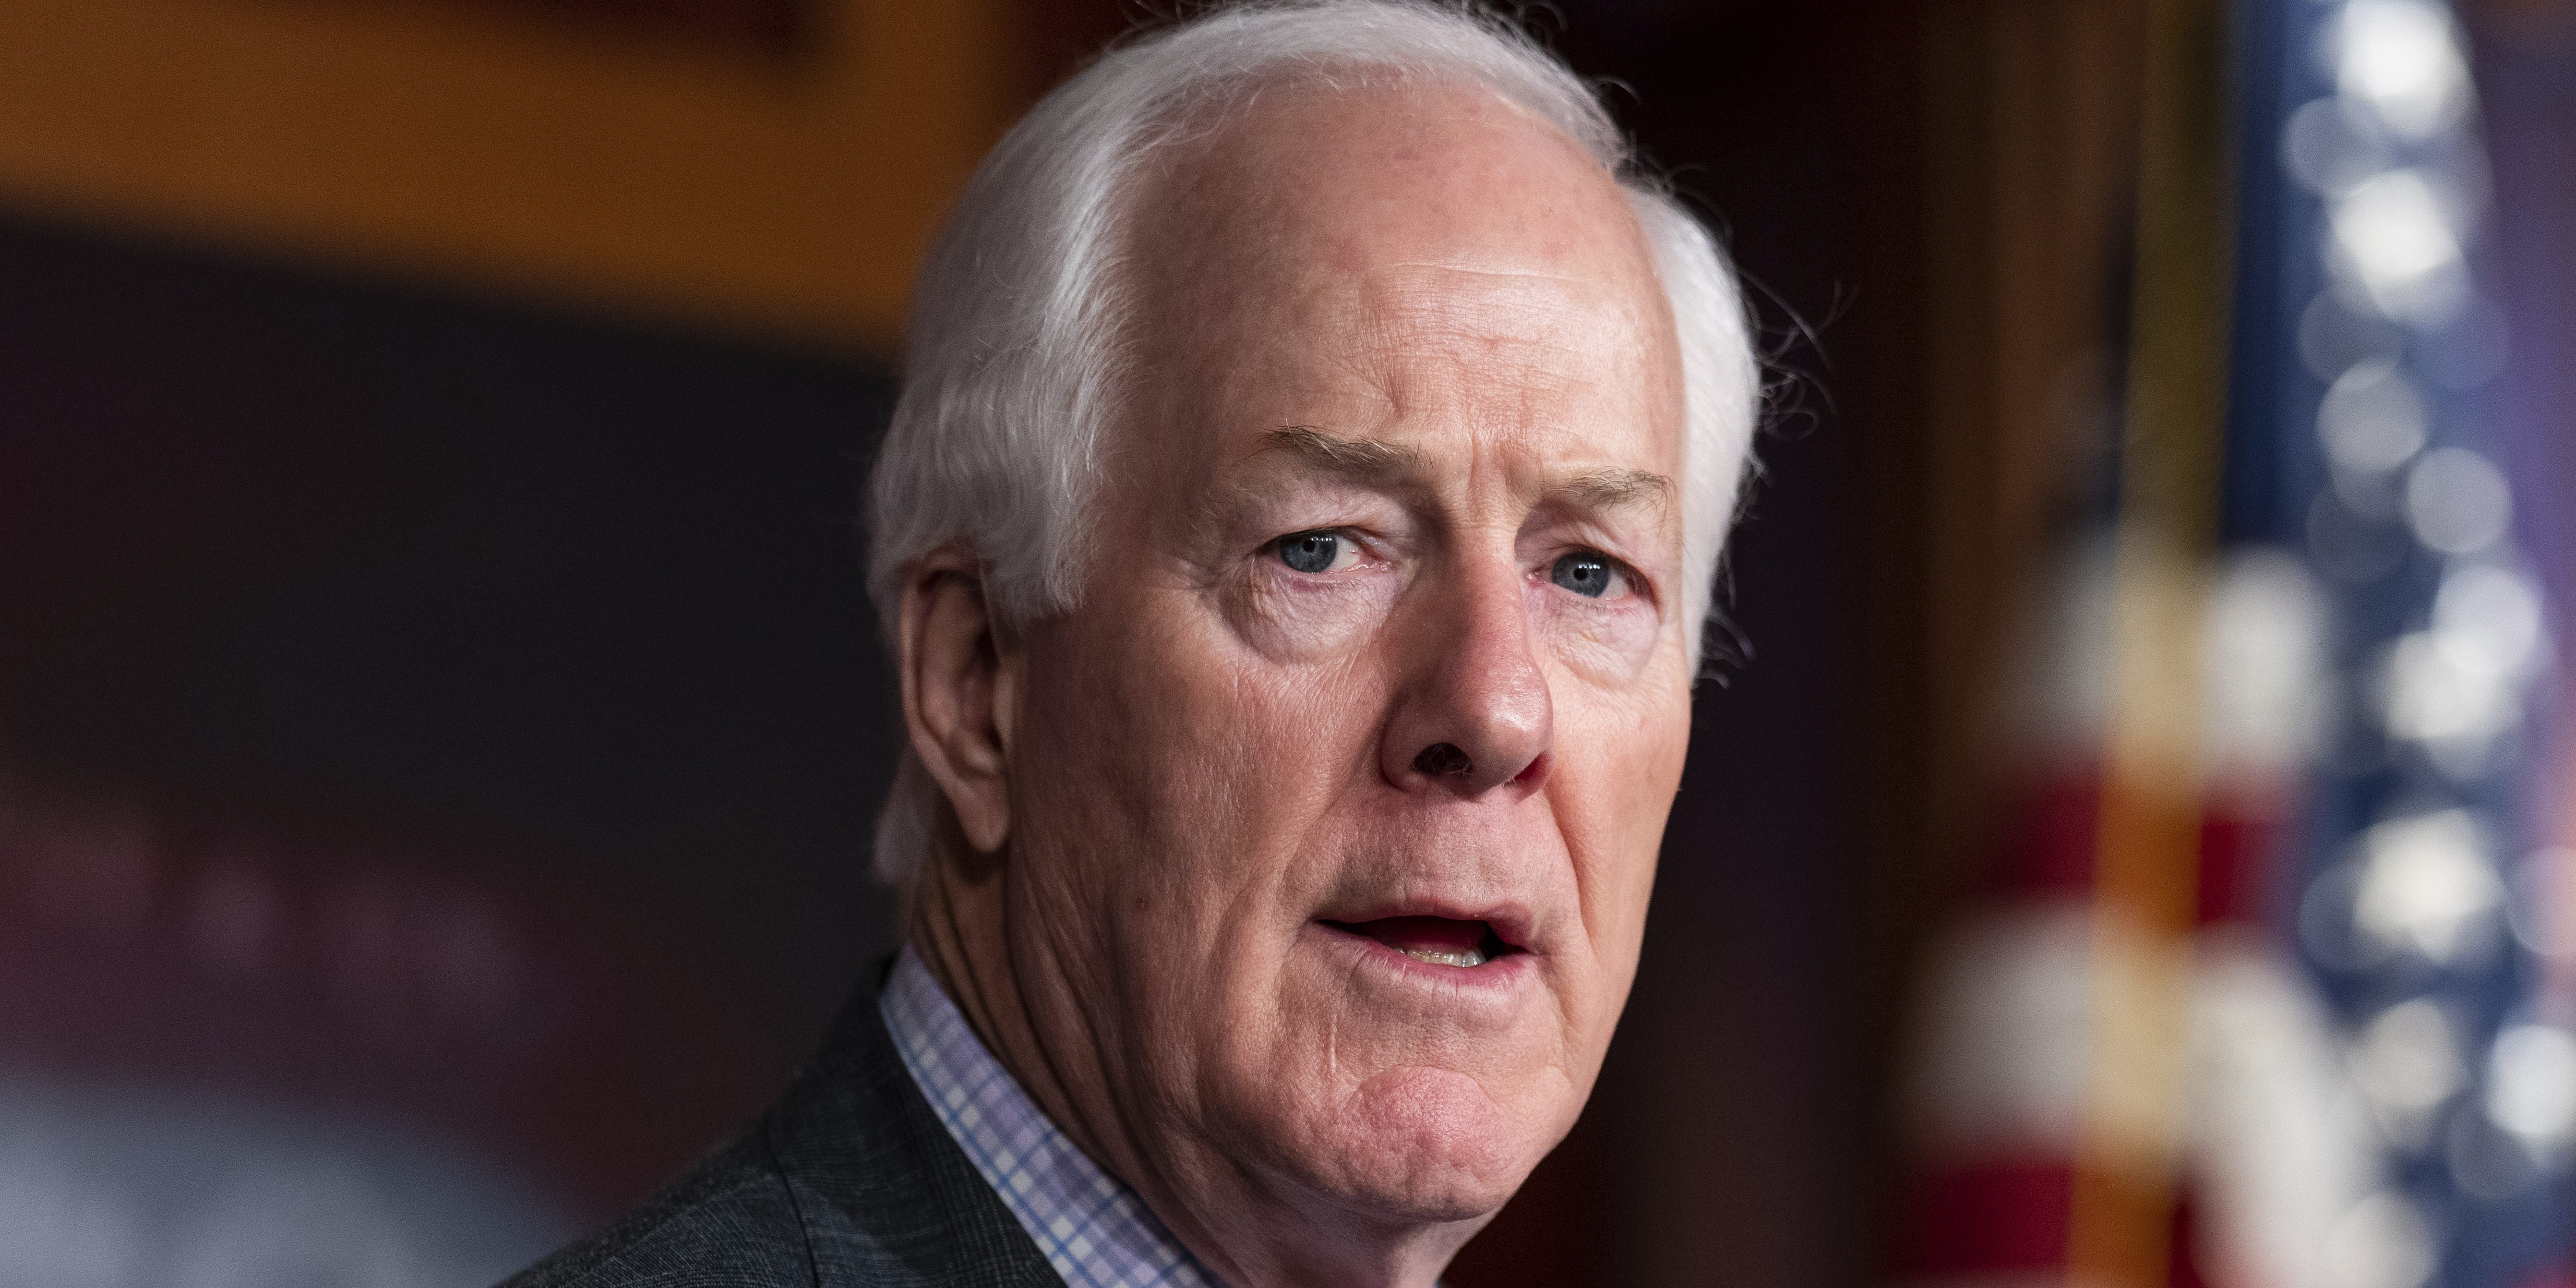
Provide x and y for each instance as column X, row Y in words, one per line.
column 1475, row 714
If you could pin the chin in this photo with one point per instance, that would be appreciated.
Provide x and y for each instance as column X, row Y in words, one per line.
column 1423, row 1145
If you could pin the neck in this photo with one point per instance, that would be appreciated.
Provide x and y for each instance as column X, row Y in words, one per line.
column 1247, row 1228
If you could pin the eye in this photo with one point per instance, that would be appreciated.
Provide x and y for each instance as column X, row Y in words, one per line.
column 1319, row 551
column 1590, row 574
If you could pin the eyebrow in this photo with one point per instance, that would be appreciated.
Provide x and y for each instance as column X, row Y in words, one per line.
column 1363, row 459
column 1370, row 460
column 1612, row 489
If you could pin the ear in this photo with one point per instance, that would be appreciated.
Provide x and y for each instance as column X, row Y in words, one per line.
column 961, row 686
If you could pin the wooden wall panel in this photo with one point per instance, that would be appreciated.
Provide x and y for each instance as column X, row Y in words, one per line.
column 627, row 169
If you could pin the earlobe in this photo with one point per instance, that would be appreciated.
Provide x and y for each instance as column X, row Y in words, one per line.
column 960, row 692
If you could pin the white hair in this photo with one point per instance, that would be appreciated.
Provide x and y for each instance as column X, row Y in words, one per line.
column 1018, row 343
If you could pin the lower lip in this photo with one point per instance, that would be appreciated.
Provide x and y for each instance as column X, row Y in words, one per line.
column 1502, row 974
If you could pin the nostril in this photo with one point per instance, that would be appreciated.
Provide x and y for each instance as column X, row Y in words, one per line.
column 1442, row 759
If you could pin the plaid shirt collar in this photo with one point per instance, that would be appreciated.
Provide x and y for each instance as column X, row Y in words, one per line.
column 1093, row 1230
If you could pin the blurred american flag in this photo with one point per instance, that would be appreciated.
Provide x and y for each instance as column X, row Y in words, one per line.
column 2340, row 1056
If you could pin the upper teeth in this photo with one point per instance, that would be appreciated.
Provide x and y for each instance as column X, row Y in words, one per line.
column 1448, row 956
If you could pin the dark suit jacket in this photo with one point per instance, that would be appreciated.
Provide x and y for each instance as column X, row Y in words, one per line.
column 849, row 1181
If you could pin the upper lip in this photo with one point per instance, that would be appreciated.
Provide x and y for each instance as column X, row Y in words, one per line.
column 1509, row 922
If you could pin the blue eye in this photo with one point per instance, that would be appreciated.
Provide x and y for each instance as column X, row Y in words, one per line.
column 1585, row 573
column 1309, row 551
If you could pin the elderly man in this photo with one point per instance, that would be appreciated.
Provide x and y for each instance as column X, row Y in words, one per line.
column 1296, row 531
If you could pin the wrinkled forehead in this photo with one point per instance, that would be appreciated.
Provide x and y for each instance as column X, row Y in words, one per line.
column 1331, row 234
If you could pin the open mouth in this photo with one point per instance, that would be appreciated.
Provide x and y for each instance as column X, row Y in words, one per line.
column 1441, row 941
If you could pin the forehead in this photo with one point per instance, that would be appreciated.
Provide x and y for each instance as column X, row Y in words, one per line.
column 1413, row 258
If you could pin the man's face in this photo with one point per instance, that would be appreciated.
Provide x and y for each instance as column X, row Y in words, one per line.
column 1335, row 805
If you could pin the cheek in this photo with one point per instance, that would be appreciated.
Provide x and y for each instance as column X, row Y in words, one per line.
column 1173, row 762
column 1619, row 761
column 1186, row 817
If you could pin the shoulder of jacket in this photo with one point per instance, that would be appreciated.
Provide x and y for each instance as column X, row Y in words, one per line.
column 731, row 1220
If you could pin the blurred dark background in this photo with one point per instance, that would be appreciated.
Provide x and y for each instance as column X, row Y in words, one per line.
column 438, row 706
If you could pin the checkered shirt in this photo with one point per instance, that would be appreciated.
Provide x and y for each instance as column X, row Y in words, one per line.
column 1093, row 1230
